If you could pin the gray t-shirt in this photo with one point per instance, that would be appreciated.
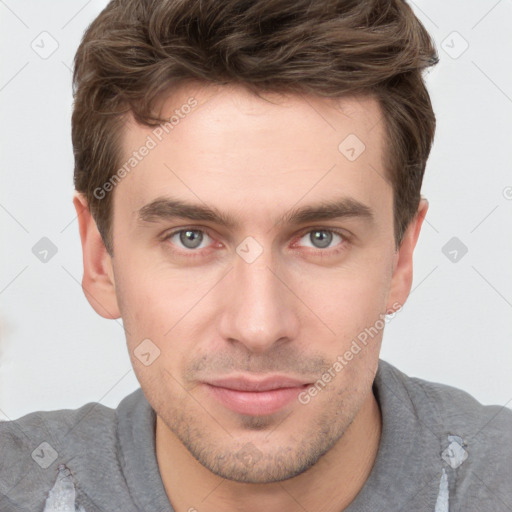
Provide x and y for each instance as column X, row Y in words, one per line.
column 440, row 451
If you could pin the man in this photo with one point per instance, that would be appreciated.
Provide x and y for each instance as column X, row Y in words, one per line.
column 248, row 182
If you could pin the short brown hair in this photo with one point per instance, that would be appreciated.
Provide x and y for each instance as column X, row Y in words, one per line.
column 136, row 51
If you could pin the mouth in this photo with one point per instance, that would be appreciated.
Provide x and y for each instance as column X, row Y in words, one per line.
column 255, row 397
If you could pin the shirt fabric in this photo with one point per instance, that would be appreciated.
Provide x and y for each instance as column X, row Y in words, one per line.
column 440, row 451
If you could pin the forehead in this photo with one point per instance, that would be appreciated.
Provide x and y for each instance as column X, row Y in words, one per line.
column 227, row 147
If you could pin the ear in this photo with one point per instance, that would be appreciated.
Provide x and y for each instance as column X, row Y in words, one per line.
column 401, row 280
column 98, row 280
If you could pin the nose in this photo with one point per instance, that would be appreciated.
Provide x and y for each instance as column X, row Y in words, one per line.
column 258, row 309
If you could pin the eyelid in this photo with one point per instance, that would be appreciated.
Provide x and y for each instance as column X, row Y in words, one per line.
column 346, row 239
column 169, row 234
column 346, row 235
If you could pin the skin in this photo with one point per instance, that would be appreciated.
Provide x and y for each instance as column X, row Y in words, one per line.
column 291, row 311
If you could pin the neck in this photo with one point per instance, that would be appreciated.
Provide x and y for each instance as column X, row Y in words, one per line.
column 339, row 475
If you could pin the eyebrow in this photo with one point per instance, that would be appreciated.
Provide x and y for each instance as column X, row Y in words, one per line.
column 164, row 208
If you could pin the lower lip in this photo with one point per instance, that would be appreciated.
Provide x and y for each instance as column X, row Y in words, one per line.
column 256, row 403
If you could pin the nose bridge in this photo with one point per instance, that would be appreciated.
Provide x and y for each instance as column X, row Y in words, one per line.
column 257, row 311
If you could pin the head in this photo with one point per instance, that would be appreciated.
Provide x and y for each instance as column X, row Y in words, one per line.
column 248, row 185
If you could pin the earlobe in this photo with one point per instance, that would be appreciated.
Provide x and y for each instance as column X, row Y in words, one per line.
column 401, row 280
column 98, row 280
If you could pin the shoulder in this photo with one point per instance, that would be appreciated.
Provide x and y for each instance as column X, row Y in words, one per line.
column 475, row 440
column 34, row 445
column 446, row 407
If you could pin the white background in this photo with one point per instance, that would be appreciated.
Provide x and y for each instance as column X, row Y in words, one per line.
column 456, row 328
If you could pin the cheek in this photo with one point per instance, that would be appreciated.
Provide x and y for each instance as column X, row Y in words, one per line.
column 153, row 314
column 162, row 304
column 350, row 302
column 350, row 297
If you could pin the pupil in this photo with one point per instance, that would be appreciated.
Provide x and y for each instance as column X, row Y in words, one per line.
column 321, row 239
column 191, row 239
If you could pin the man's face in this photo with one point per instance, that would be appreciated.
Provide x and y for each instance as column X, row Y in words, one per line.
column 273, row 294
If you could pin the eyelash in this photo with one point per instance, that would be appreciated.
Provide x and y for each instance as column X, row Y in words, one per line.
column 342, row 246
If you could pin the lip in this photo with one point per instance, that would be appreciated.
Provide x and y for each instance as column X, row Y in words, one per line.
column 255, row 396
column 268, row 383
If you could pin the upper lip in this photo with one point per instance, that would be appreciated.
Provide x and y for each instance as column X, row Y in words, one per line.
column 257, row 384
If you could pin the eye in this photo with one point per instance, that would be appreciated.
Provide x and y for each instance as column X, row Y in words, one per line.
column 192, row 240
column 189, row 238
column 322, row 238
